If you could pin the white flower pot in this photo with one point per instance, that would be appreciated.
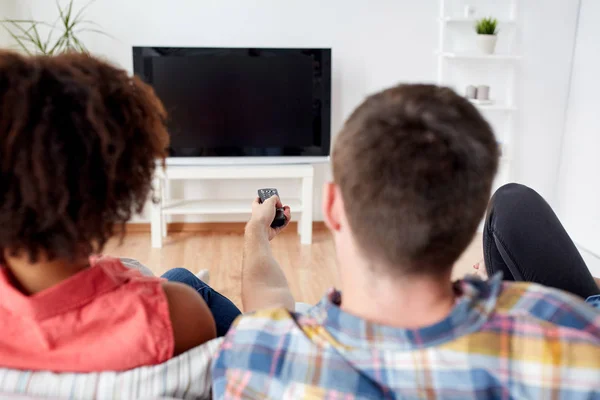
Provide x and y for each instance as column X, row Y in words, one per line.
column 486, row 43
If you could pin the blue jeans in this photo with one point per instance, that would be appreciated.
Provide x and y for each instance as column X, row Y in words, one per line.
column 222, row 309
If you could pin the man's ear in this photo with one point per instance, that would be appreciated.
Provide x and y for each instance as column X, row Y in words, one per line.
column 332, row 206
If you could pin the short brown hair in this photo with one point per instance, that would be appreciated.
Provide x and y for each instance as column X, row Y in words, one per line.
column 415, row 165
column 79, row 140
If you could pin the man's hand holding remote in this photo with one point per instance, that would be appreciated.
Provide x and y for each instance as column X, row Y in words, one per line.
column 263, row 215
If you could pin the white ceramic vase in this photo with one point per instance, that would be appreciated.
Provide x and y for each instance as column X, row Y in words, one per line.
column 486, row 43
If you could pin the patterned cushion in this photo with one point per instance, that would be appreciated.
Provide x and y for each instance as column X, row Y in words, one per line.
column 184, row 377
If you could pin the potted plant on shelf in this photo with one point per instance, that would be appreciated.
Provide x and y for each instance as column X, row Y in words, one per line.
column 486, row 34
column 36, row 37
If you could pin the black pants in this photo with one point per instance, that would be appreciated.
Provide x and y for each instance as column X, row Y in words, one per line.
column 524, row 239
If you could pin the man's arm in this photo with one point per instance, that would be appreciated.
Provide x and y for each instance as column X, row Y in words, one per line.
column 263, row 282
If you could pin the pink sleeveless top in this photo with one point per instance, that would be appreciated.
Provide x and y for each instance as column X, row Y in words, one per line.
column 107, row 317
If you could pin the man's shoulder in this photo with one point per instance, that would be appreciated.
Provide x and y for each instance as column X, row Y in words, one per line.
column 547, row 307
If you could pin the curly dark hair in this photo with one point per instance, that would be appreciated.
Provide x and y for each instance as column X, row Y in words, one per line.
column 79, row 142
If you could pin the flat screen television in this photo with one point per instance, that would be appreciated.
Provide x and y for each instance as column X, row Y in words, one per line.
column 259, row 103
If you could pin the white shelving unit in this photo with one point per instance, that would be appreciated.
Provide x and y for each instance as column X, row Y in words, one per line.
column 475, row 56
column 470, row 20
column 493, row 106
column 165, row 207
column 450, row 23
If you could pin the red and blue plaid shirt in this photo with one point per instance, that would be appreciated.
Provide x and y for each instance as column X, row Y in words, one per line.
column 502, row 340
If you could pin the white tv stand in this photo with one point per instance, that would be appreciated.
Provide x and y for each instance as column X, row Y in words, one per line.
column 165, row 206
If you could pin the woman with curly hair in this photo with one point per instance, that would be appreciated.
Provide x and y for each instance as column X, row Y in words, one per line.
column 79, row 142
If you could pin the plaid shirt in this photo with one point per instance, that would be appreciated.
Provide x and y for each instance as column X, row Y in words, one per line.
column 502, row 340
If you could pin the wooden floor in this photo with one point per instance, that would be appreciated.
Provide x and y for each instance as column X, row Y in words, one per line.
column 310, row 270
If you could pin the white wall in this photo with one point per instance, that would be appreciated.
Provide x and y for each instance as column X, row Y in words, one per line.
column 373, row 45
column 545, row 69
column 579, row 185
column 8, row 9
column 376, row 43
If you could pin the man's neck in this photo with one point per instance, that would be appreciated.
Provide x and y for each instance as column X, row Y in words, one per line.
column 408, row 302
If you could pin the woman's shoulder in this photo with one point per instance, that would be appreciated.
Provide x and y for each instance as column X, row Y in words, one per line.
column 188, row 314
column 122, row 272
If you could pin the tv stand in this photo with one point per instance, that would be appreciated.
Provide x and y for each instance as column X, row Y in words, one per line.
column 165, row 206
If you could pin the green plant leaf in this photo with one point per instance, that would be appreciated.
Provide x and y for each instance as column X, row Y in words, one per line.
column 65, row 14
column 97, row 31
column 69, row 14
column 68, row 24
column 25, row 34
column 38, row 42
column 19, row 21
column 32, row 36
column 87, row 22
column 54, row 48
column 20, row 28
column 51, row 48
column 79, row 46
column 486, row 26
column 79, row 15
column 19, row 42
column 58, row 46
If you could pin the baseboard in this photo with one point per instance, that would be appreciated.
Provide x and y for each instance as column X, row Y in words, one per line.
column 175, row 227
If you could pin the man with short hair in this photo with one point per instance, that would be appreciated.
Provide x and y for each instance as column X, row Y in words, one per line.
column 413, row 169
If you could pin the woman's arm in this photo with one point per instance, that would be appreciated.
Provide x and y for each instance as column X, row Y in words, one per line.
column 192, row 321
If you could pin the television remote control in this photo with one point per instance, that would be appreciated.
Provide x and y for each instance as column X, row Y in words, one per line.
column 264, row 194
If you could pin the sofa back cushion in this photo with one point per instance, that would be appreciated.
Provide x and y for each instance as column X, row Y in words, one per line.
column 184, row 377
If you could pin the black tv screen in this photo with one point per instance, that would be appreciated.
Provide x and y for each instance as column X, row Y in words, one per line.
column 225, row 102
